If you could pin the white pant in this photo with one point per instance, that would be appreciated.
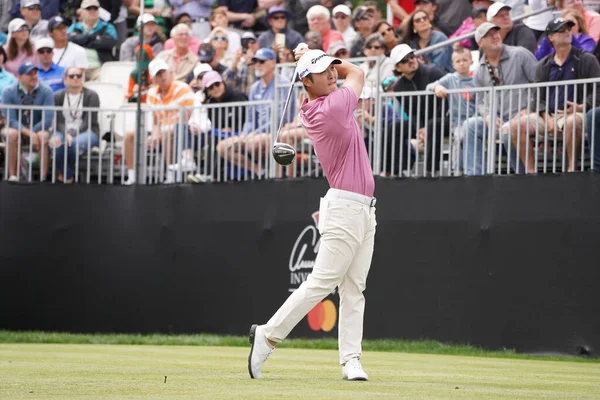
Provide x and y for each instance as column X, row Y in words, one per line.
column 347, row 226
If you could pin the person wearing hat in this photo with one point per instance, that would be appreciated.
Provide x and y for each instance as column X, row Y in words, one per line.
column 217, row 92
column 339, row 50
column 430, row 8
column 565, row 64
column 478, row 14
column 319, row 20
column 347, row 214
column 32, row 126
column 66, row 54
column 248, row 149
column 277, row 19
column 363, row 23
column 592, row 18
column 19, row 48
column 49, row 8
column 425, row 123
column 512, row 34
column 160, row 10
column 139, row 79
column 342, row 16
column 241, row 72
column 96, row 36
column 151, row 37
column 32, row 13
column 219, row 19
column 77, row 128
column 194, row 41
column 180, row 59
column 48, row 72
column 206, row 54
column 580, row 39
column 500, row 64
column 168, row 126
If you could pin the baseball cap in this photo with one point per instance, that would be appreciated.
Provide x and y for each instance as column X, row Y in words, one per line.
column 263, row 54
column 399, row 52
column 211, row 78
column 206, row 53
column 274, row 10
column 16, row 24
column 26, row 68
column 90, row 3
column 361, row 12
column 248, row 35
column 557, row 24
column 44, row 43
column 145, row 18
column 315, row 62
column 478, row 10
column 55, row 21
column 29, row 3
column 342, row 8
column 200, row 68
column 483, row 30
column 337, row 46
column 495, row 8
column 156, row 66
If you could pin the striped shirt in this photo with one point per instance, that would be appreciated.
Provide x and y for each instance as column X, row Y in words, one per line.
column 178, row 95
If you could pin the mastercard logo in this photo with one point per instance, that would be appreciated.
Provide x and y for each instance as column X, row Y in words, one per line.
column 323, row 316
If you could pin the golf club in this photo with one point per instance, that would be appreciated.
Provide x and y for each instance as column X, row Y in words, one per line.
column 283, row 153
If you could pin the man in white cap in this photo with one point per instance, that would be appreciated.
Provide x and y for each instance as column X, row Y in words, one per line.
column 346, row 213
column 341, row 20
column 32, row 14
column 151, row 37
column 512, row 34
column 48, row 72
column 167, row 125
column 500, row 65
column 66, row 54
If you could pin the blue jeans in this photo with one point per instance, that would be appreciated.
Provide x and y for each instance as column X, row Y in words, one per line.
column 595, row 131
column 79, row 146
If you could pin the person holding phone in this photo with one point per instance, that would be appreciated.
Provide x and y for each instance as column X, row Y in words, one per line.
column 279, row 36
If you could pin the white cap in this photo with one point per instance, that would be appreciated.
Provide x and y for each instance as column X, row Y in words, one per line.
column 399, row 52
column 146, row 18
column 200, row 68
column 495, row 8
column 483, row 30
column 157, row 65
column 15, row 24
column 315, row 62
column 45, row 42
column 342, row 8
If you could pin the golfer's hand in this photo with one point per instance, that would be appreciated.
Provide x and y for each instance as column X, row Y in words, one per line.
column 300, row 50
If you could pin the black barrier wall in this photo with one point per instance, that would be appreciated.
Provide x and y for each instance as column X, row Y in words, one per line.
column 499, row 262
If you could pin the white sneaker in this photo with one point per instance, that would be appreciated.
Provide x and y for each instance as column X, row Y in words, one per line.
column 13, row 178
column 129, row 182
column 185, row 165
column 259, row 352
column 353, row 371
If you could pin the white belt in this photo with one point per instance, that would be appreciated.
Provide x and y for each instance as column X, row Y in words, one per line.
column 346, row 195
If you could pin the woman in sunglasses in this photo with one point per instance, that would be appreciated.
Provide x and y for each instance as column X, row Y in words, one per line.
column 220, row 41
column 419, row 34
column 19, row 48
column 374, row 47
column 390, row 40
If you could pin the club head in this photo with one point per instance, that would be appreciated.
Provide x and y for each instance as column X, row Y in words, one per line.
column 283, row 153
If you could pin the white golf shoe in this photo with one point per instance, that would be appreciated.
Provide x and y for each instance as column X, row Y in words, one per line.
column 259, row 352
column 353, row 371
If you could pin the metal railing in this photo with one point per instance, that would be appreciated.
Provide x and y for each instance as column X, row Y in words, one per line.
column 409, row 134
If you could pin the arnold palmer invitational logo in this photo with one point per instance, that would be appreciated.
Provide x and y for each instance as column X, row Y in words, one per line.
column 302, row 260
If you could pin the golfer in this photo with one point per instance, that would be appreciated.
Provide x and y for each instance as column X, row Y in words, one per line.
column 346, row 213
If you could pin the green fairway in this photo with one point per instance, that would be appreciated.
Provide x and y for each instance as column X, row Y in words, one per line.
column 60, row 371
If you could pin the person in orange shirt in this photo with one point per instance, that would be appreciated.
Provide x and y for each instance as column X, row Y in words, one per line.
column 139, row 79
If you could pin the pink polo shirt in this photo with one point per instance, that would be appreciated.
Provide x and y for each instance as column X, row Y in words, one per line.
column 338, row 141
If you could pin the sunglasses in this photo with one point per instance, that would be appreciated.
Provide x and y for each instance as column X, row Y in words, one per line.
column 367, row 16
column 278, row 16
column 73, row 76
column 44, row 51
column 22, row 29
column 563, row 29
column 186, row 21
column 373, row 47
column 407, row 58
column 260, row 61
column 341, row 53
column 418, row 20
column 31, row 8
column 214, row 85
column 219, row 38
column 92, row 8
column 388, row 30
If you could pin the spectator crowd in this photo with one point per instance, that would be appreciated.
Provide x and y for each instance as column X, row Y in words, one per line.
column 192, row 53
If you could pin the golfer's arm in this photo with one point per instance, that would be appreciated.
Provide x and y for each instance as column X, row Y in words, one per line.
column 354, row 76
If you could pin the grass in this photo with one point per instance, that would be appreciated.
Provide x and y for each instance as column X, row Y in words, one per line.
column 405, row 346
column 58, row 371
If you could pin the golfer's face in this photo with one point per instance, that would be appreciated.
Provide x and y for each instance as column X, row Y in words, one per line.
column 326, row 81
